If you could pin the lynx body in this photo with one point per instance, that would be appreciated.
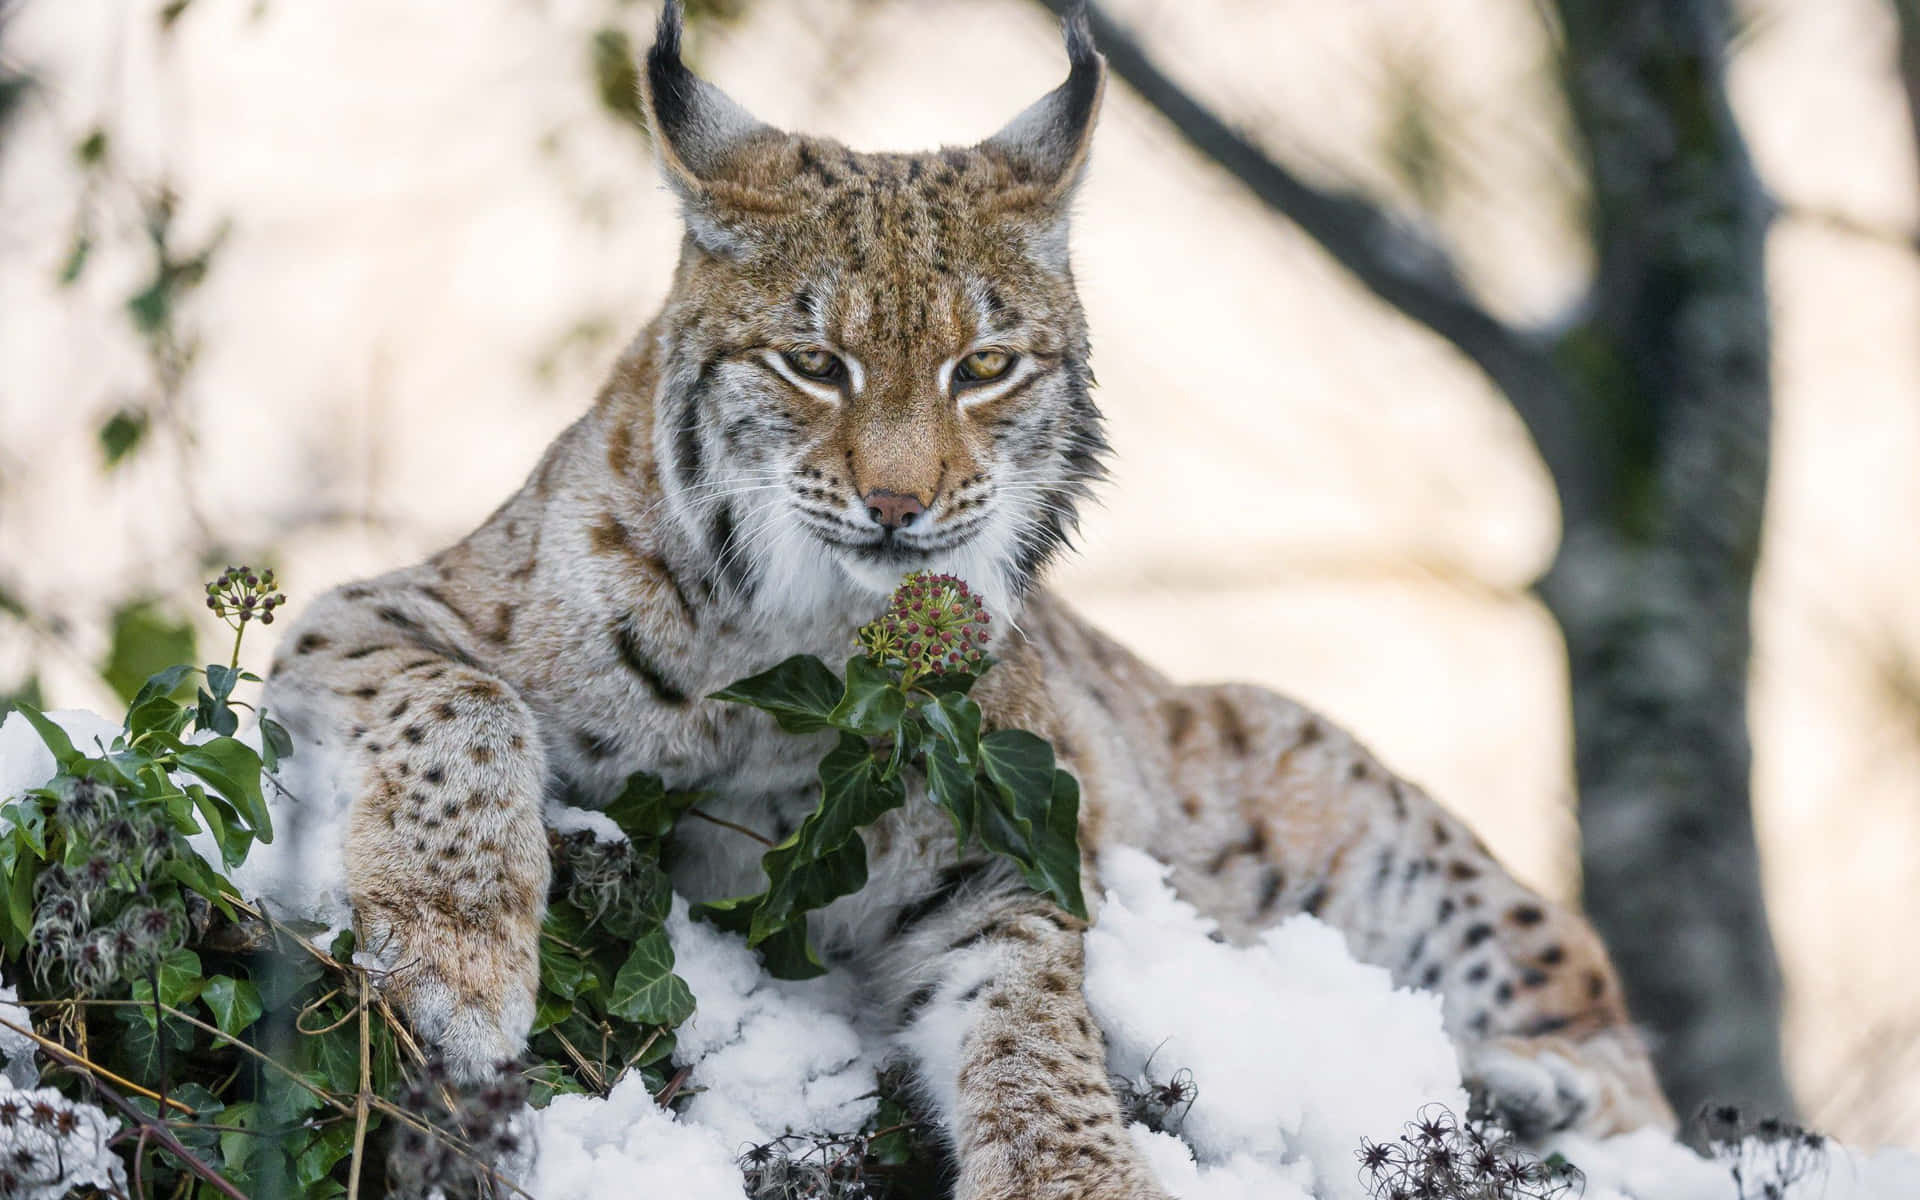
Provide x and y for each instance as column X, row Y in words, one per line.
column 870, row 364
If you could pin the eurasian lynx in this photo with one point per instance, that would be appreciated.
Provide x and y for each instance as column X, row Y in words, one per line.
column 869, row 364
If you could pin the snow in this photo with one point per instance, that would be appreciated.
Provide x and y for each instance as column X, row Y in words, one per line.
column 565, row 818
column 16, row 1048
column 1297, row 1051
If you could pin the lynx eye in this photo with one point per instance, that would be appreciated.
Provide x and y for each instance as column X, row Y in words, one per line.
column 815, row 363
column 982, row 365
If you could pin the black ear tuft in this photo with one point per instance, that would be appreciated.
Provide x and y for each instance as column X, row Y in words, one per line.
column 1079, row 32
column 1048, row 142
column 668, row 79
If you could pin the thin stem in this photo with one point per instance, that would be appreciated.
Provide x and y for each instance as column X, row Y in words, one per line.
column 233, row 664
column 360, row 1101
column 89, row 1066
column 726, row 824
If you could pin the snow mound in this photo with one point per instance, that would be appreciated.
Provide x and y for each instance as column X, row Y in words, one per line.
column 1297, row 1051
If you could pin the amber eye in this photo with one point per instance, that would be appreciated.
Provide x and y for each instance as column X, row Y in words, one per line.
column 815, row 363
column 983, row 365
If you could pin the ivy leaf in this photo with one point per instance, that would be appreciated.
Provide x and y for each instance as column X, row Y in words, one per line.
column 275, row 743
column 1021, row 766
column 317, row 1158
column 873, row 703
column 956, row 720
column 211, row 712
column 181, row 978
column 825, row 858
column 561, row 970
column 801, row 693
column 161, row 685
column 1056, row 848
column 645, row 810
column 235, row 1002
column 20, row 903
column 786, row 954
column 233, row 770
column 646, row 989
column 951, row 784
column 52, row 735
column 221, row 679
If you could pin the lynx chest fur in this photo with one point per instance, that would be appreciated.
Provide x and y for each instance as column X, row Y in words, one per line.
column 870, row 364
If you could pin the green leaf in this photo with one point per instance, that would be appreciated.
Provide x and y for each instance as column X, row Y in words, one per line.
column 275, row 742
column 645, row 810
column 1021, row 765
column 561, row 970
column 952, row 786
column 221, row 680
column 786, row 953
column 235, row 1002
column 825, row 858
column 646, row 989
column 873, row 703
column 124, row 430
column 549, row 1011
column 318, row 1157
column 1056, row 845
column 180, row 978
column 239, row 1142
column 233, row 770
column 163, row 684
column 56, row 738
column 956, row 720
column 193, row 871
column 801, row 693
column 145, row 640
column 20, row 902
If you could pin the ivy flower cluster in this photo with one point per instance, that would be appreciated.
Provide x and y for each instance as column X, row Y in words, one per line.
column 241, row 594
column 934, row 625
column 93, row 922
column 1440, row 1157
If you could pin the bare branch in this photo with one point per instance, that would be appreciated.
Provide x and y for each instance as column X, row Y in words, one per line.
column 1409, row 271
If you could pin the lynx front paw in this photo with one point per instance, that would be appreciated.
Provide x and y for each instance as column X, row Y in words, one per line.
column 467, row 991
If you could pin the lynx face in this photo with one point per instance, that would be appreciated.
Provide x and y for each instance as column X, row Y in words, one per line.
column 873, row 363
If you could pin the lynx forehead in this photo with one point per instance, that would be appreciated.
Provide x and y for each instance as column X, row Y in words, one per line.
column 867, row 364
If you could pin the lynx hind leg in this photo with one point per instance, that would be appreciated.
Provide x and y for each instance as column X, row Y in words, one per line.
column 446, row 853
column 1526, row 987
column 989, row 1002
column 1307, row 820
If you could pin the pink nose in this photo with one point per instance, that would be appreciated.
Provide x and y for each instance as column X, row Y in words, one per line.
column 895, row 510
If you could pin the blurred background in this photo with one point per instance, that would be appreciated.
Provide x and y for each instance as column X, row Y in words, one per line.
column 1531, row 386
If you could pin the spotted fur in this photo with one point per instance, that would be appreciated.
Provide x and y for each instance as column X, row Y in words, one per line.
column 715, row 512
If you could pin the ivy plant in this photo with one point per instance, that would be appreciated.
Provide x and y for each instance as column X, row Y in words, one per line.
column 902, row 708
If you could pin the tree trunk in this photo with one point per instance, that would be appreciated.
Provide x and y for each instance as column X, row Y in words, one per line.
column 1653, row 583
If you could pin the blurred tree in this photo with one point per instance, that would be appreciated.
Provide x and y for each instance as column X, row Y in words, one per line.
column 1651, row 406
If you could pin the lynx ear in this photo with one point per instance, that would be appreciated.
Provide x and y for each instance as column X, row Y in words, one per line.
column 1048, row 143
column 700, row 135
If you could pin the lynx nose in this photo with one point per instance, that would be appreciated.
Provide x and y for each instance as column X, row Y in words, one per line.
column 894, row 510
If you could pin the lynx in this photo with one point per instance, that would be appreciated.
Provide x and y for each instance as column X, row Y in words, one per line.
column 871, row 364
